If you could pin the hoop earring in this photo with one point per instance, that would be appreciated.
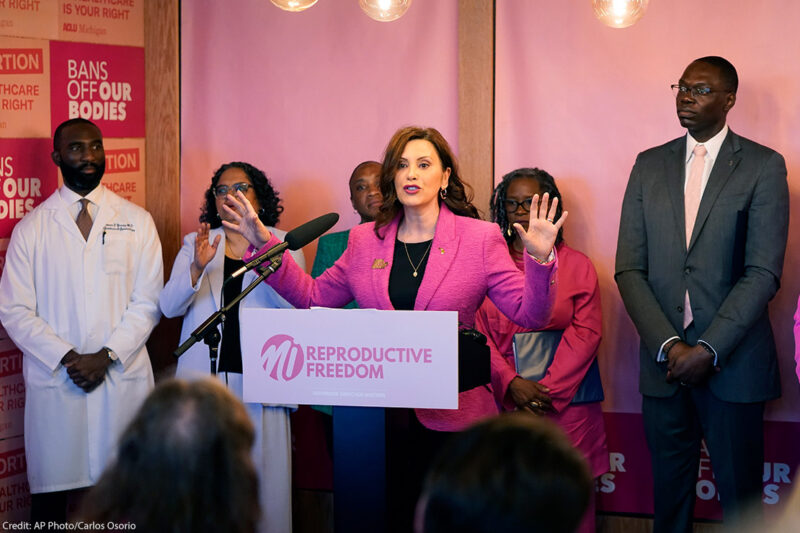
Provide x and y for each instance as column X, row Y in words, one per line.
column 508, row 231
column 443, row 193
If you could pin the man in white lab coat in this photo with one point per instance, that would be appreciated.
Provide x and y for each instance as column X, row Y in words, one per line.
column 79, row 297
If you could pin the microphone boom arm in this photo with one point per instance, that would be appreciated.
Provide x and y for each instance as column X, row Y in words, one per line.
column 208, row 329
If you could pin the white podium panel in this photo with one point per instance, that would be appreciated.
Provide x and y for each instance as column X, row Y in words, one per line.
column 358, row 357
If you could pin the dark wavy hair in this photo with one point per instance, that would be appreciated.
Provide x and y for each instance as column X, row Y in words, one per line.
column 513, row 473
column 547, row 185
column 459, row 193
column 268, row 199
column 183, row 465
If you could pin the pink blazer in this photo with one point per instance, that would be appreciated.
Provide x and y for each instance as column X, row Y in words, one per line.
column 468, row 261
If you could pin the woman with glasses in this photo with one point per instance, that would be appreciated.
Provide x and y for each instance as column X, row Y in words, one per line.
column 195, row 291
column 426, row 250
column 576, row 311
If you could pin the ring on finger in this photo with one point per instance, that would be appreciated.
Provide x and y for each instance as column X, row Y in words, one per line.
column 550, row 220
column 536, row 404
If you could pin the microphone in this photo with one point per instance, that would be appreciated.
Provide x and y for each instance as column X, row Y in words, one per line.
column 295, row 239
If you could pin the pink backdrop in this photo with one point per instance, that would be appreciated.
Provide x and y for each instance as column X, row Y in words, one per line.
column 307, row 96
column 582, row 103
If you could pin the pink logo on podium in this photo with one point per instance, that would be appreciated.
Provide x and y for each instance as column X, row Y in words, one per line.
column 282, row 358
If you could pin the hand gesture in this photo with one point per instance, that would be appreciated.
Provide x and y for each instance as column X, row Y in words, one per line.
column 245, row 220
column 204, row 252
column 531, row 396
column 87, row 371
column 542, row 228
column 689, row 365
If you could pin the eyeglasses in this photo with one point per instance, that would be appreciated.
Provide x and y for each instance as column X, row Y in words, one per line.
column 694, row 91
column 223, row 190
column 513, row 205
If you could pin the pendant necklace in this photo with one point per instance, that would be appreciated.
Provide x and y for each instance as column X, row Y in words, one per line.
column 415, row 268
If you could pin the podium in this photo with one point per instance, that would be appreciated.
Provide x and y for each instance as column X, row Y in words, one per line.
column 360, row 361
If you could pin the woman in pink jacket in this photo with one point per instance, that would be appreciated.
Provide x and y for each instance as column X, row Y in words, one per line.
column 576, row 311
column 426, row 250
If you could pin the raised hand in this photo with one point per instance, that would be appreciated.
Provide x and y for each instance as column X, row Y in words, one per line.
column 244, row 220
column 542, row 228
column 204, row 252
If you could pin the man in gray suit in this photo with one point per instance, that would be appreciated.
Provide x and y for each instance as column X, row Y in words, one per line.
column 700, row 252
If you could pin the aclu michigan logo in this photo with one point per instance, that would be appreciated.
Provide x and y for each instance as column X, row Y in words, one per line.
column 282, row 358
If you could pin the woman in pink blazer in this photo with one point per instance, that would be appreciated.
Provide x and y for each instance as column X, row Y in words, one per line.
column 576, row 312
column 426, row 250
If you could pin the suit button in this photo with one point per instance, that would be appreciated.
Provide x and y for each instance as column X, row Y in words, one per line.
column 687, row 270
column 680, row 309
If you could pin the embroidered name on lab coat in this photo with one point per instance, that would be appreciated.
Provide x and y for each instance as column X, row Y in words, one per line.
column 119, row 227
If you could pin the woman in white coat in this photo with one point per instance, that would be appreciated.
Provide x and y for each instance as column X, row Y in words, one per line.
column 195, row 291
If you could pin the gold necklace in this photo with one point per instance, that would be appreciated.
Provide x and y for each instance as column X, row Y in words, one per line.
column 415, row 268
column 231, row 253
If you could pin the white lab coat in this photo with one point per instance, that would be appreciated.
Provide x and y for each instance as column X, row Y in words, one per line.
column 272, row 451
column 59, row 293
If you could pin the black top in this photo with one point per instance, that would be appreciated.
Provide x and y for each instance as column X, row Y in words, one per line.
column 403, row 286
column 230, row 349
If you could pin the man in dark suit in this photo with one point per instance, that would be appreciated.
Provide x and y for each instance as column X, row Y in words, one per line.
column 700, row 252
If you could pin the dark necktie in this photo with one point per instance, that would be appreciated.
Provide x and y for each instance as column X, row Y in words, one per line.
column 84, row 220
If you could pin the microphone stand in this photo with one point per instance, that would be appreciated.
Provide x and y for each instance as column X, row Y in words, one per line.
column 208, row 331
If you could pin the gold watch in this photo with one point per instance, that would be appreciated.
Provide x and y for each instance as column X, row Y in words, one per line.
column 111, row 355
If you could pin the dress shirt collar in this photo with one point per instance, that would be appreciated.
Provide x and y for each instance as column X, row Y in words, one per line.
column 712, row 145
column 71, row 197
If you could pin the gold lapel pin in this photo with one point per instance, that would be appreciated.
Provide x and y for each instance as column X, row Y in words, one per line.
column 441, row 251
column 379, row 263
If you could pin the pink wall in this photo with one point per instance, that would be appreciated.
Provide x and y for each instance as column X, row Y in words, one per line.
column 307, row 96
column 581, row 100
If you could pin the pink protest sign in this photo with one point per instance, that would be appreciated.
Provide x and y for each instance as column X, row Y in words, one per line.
column 359, row 357
column 101, row 83
column 12, row 387
column 627, row 488
column 27, row 178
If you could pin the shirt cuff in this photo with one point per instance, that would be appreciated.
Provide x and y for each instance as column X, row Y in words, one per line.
column 196, row 286
column 662, row 357
column 710, row 349
column 550, row 258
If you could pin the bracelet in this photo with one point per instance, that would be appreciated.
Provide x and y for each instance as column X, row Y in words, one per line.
column 550, row 257
column 669, row 346
column 706, row 347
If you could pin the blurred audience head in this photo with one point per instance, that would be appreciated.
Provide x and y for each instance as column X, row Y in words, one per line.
column 259, row 191
column 513, row 473
column 507, row 205
column 183, row 465
column 365, row 190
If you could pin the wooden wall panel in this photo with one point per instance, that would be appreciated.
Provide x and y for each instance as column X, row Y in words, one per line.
column 162, row 150
column 476, row 98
